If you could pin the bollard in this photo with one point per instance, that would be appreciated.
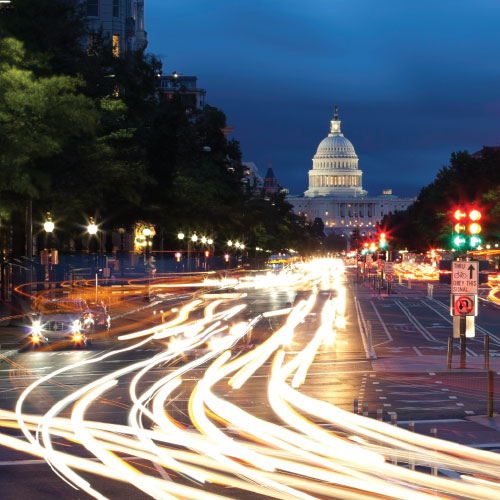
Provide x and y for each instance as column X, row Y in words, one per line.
column 409, row 283
column 355, row 405
column 430, row 290
column 434, row 433
column 449, row 355
column 394, row 418
column 400, row 279
column 411, row 428
column 365, row 409
column 486, row 352
column 380, row 414
column 491, row 393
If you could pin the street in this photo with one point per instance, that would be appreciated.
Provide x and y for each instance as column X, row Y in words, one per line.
column 247, row 388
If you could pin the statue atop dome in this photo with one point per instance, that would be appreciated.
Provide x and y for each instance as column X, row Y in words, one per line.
column 335, row 169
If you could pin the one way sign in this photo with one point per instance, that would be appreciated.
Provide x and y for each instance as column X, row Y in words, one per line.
column 464, row 277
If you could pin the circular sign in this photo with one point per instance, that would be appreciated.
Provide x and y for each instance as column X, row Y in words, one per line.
column 464, row 305
column 389, row 277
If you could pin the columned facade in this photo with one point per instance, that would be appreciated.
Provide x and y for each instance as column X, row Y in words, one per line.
column 336, row 194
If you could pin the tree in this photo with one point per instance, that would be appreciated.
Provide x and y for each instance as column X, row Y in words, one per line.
column 467, row 180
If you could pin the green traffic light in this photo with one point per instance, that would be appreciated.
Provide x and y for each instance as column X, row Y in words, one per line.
column 458, row 240
column 475, row 241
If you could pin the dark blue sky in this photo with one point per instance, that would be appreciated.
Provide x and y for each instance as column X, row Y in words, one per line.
column 414, row 81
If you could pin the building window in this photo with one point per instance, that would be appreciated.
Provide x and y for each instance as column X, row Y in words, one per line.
column 116, row 8
column 115, row 45
column 93, row 8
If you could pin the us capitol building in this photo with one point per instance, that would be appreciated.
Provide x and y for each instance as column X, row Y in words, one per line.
column 336, row 193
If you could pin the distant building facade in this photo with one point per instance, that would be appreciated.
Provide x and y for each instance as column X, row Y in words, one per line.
column 184, row 86
column 336, row 193
column 122, row 21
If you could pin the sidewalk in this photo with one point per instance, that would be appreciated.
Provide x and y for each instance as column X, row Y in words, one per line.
column 436, row 364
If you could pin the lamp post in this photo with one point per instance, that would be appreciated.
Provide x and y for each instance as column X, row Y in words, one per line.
column 121, row 253
column 180, row 237
column 193, row 239
column 147, row 232
column 48, row 226
column 92, row 230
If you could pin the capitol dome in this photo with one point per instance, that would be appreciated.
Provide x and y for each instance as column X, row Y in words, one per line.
column 335, row 146
column 335, row 169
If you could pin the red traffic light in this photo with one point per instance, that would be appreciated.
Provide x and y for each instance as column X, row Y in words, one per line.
column 459, row 214
column 475, row 215
column 207, row 253
column 226, row 257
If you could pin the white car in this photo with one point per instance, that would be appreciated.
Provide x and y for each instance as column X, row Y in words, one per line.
column 63, row 320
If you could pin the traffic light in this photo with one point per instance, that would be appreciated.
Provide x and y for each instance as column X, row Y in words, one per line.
column 382, row 243
column 226, row 257
column 178, row 256
column 207, row 253
column 466, row 229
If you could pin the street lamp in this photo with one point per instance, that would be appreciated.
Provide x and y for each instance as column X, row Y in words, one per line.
column 92, row 227
column 147, row 233
column 48, row 225
column 48, row 256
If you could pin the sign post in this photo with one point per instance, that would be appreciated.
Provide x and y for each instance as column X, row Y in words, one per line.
column 389, row 274
column 463, row 302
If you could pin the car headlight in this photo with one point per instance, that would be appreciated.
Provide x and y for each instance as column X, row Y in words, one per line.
column 35, row 337
column 76, row 327
column 77, row 337
column 36, row 327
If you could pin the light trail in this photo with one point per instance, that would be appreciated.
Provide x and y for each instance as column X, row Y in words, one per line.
column 221, row 443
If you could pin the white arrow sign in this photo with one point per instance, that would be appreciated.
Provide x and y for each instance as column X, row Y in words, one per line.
column 464, row 277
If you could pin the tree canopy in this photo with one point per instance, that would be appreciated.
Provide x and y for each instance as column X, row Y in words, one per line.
column 467, row 181
column 87, row 134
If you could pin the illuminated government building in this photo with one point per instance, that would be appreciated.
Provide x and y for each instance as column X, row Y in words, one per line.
column 336, row 193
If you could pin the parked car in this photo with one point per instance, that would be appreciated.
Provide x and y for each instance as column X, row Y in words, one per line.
column 63, row 319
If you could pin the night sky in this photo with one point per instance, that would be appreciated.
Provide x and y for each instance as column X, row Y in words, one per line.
column 414, row 81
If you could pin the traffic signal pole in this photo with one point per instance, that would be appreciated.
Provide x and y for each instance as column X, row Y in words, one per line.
column 463, row 342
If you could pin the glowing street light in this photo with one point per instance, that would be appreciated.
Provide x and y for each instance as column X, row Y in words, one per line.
column 92, row 227
column 229, row 243
column 48, row 225
column 203, row 239
column 194, row 238
column 210, row 241
column 180, row 236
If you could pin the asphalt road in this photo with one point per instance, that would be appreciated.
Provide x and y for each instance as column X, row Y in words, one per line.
column 407, row 378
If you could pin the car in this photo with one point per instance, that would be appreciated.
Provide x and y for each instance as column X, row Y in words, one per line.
column 62, row 320
column 100, row 316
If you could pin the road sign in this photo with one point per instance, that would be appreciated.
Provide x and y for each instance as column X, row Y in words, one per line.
column 389, row 277
column 464, row 277
column 389, row 267
column 464, row 305
column 470, row 330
